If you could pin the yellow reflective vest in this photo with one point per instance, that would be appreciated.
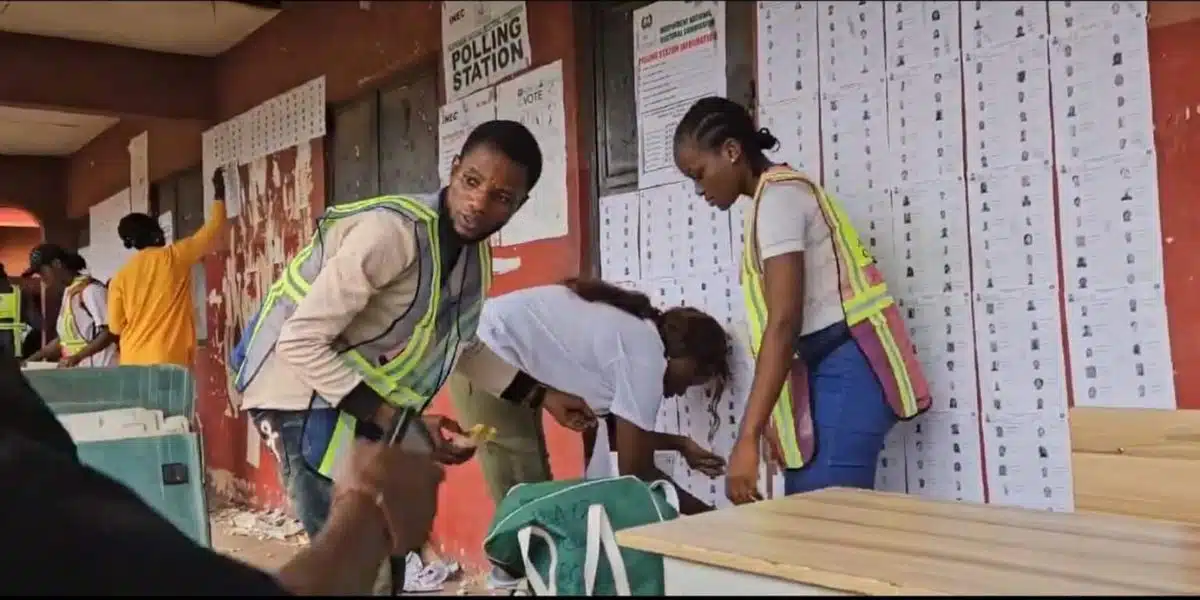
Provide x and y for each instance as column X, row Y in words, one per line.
column 871, row 314
column 70, row 338
column 407, row 364
column 10, row 317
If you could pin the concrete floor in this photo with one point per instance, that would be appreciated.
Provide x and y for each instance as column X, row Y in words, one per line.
column 259, row 546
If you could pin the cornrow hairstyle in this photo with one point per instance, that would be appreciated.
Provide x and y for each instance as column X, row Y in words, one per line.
column 713, row 120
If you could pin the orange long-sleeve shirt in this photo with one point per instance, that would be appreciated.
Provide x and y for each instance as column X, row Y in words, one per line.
column 150, row 298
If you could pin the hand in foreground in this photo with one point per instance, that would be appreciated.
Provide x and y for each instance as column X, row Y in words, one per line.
column 450, row 446
column 700, row 459
column 68, row 362
column 402, row 484
column 569, row 410
column 741, row 484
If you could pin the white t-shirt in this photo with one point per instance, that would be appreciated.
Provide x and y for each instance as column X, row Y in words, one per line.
column 90, row 309
column 611, row 359
column 790, row 220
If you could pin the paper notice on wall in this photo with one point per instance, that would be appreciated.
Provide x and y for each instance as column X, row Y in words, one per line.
column 535, row 99
column 457, row 120
column 139, row 173
column 679, row 49
column 1120, row 348
column 234, row 194
column 484, row 43
column 619, row 251
column 167, row 222
column 1028, row 458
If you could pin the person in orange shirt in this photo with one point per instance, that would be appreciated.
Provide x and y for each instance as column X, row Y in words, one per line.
column 150, row 298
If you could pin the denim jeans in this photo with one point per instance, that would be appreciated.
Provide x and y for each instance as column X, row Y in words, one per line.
column 851, row 418
column 309, row 493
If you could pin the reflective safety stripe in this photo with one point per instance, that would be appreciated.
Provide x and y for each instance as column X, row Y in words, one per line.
column 69, row 336
column 407, row 363
column 865, row 300
column 339, row 445
column 10, row 317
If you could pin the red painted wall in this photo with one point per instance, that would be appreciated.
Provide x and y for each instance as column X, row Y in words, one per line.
column 284, row 193
column 1174, row 61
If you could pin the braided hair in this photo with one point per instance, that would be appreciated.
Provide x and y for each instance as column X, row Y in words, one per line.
column 686, row 332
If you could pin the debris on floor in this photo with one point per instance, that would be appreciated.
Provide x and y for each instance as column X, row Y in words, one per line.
column 263, row 525
column 420, row 577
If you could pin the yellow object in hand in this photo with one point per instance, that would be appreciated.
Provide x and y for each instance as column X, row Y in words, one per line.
column 481, row 434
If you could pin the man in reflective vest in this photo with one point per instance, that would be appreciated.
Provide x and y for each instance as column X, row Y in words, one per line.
column 11, row 325
column 370, row 318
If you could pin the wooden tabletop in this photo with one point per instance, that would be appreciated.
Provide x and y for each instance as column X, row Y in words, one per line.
column 874, row 543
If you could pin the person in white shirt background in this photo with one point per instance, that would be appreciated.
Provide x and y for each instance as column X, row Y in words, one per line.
column 82, row 332
column 619, row 353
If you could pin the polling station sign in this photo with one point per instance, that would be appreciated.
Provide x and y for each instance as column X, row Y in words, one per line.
column 483, row 42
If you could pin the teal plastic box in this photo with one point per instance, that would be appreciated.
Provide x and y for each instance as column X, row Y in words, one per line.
column 167, row 471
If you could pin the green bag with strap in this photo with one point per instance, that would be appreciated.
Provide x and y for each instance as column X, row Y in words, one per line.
column 560, row 536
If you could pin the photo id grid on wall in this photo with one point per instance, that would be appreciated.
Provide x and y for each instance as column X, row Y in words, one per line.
column 946, row 130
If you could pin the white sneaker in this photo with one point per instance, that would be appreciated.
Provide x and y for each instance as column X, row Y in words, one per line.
column 499, row 579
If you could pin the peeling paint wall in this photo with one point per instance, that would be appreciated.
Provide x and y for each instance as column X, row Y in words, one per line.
column 284, row 193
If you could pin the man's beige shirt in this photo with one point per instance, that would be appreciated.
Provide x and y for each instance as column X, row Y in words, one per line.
column 368, row 279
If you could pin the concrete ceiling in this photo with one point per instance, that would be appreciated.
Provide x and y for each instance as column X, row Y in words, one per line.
column 195, row 28
column 25, row 131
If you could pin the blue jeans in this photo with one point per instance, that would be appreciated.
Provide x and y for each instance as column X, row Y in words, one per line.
column 851, row 417
column 308, row 492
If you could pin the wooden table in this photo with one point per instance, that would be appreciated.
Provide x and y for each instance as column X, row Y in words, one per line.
column 841, row 541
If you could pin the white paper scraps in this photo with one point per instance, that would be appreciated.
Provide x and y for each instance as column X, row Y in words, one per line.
column 1120, row 348
column 535, row 99
column 235, row 195
column 502, row 265
column 679, row 49
column 166, row 221
column 139, row 172
column 483, row 42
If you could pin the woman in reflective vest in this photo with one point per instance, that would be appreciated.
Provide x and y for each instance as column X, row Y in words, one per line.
column 83, row 337
column 835, row 368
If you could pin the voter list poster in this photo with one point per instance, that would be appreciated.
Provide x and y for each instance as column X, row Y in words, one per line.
column 484, row 43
